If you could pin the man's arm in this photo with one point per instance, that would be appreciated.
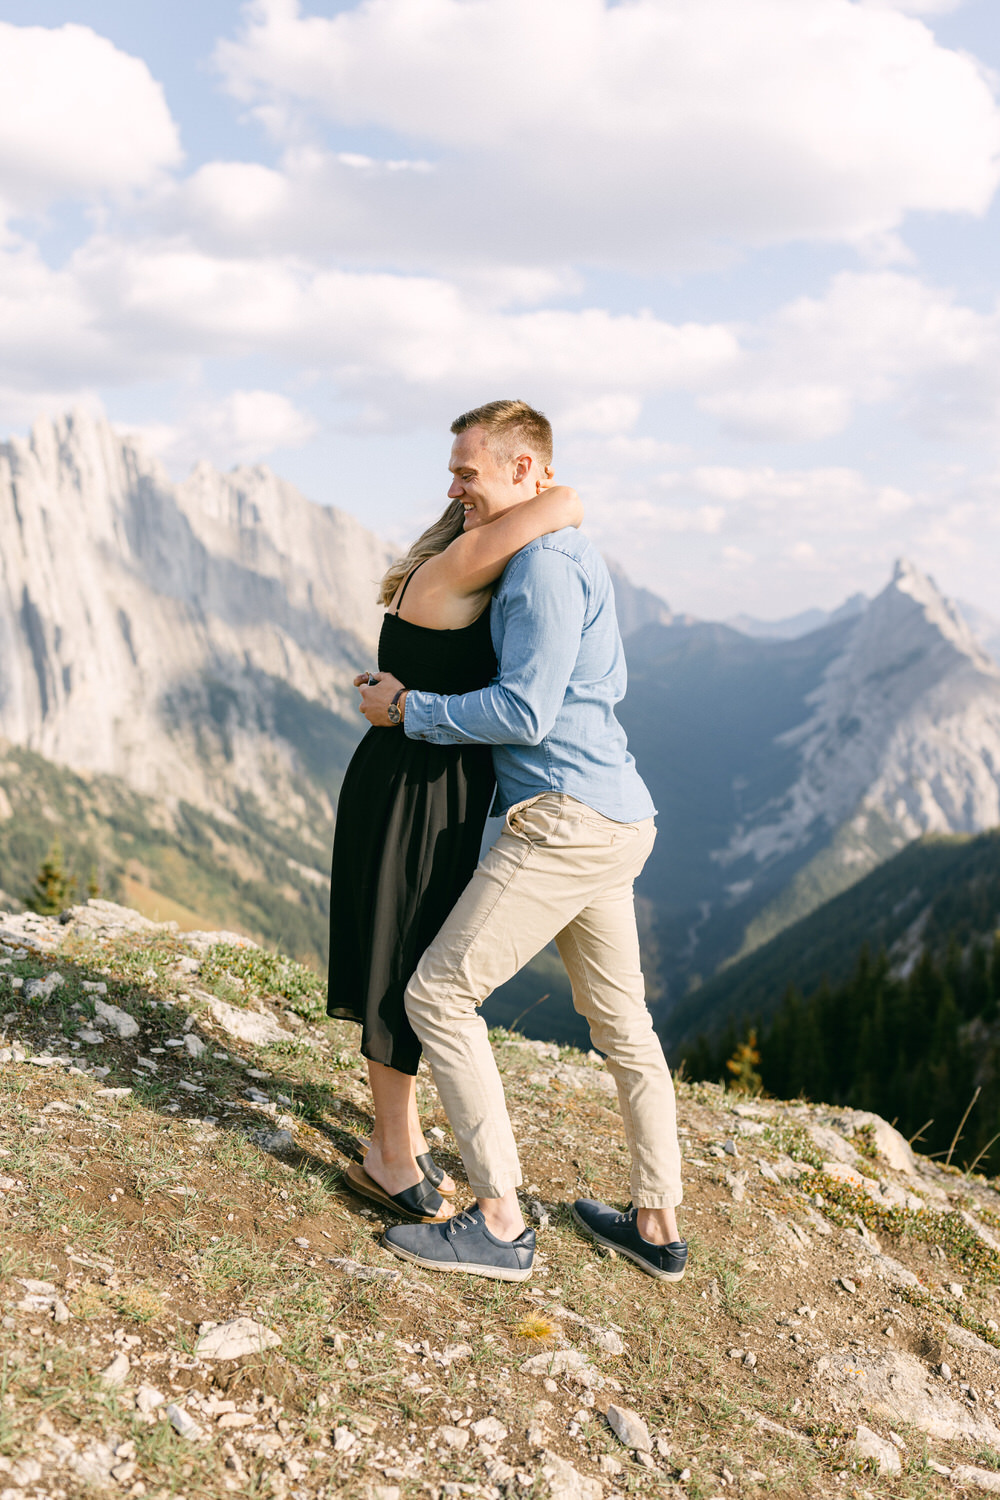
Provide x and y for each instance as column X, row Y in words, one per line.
column 544, row 607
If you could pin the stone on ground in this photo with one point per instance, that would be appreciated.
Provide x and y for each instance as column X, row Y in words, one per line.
column 563, row 1482
column 120, row 1022
column 897, row 1388
column 234, row 1339
column 630, row 1429
column 868, row 1444
column 183, row 1425
column 968, row 1477
column 117, row 1372
column 560, row 1362
column 489, row 1430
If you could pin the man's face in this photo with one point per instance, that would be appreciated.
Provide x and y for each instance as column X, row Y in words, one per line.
column 485, row 487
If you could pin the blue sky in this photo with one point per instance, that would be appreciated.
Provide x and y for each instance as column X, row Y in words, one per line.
column 744, row 252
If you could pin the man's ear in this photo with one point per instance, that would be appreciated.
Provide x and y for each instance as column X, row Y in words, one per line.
column 523, row 465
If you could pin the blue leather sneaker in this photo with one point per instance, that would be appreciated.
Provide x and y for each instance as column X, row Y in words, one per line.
column 463, row 1244
column 619, row 1233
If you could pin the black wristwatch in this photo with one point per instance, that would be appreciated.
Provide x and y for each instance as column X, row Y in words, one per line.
column 394, row 712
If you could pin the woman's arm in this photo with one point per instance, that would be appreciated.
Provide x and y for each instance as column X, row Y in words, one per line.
column 476, row 559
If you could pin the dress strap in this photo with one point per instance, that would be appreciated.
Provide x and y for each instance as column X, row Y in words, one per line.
column 406, row 584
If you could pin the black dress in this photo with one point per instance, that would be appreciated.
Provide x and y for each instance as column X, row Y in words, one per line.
column 409, row 826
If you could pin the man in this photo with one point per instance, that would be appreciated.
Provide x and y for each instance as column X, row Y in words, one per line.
column 579, row 828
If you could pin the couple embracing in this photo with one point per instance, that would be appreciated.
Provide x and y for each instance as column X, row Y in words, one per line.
column 500, row 664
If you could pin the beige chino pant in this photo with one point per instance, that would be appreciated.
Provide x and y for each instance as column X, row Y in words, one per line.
column 558, row 871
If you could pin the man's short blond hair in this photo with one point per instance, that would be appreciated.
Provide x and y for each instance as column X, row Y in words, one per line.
column 512, row 427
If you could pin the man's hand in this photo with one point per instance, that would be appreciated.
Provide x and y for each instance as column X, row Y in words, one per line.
column 375, row 700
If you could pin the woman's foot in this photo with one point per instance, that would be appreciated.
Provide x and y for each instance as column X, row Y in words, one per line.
column 397, row 1174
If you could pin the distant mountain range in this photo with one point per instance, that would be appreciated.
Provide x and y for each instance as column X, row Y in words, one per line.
column 175, row 664
column 785, row 770
column 984, row 626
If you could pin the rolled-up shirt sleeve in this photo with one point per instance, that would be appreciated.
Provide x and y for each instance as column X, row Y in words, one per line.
column 544, row 602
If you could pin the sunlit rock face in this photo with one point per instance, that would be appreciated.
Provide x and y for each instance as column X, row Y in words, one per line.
column 188, row 638
column 904, row 728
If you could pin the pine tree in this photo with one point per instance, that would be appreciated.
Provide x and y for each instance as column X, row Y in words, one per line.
column 743, row 1068
column 53, row 886
column 93, row 884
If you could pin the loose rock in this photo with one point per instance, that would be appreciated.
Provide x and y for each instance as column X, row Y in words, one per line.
column 629, row 1428
column 453, row 1437
column 868, row 1444
column 968, row 1477
column 559, row 1362
column 233, row 1340
column 489, row 1430
column 117, row 1372
column 185, row 1426
column 563, row 1482
column 119, row 1021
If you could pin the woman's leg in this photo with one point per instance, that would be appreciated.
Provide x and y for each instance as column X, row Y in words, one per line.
column 419, row 1143
column 397, row 1139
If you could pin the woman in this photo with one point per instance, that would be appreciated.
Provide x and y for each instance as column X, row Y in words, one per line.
column 410, row 822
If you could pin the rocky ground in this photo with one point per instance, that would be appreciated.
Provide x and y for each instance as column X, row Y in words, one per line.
column 192, row 1303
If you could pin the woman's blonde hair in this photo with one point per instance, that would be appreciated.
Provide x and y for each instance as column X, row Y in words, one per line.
column 434, row 540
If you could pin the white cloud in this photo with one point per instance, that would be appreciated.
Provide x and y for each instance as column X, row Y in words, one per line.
column 915, row 7
column 637, row 134
column 78, row 118
column 377, row 332
column 872, row 337
column 239, row 428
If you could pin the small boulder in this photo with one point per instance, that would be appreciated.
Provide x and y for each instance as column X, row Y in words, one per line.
column 274, row 1140
column 868, row 1444
column 41, row 989
column 968, row 1477
column 117, row 1020
column 233, row 1340
column 453, row 1437
column 117, row 1372
column 184, row 1425
column 489, row 1430
column 630, row 1429
column 563, row 1482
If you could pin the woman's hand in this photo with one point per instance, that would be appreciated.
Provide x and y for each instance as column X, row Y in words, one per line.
column 375, row 699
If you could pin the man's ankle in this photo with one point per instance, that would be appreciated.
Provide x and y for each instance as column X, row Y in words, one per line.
column 657, row 1226
column 504, row 1219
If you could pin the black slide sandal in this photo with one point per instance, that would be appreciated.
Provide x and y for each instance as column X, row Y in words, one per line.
column 430, row 1169
column 420, row 1202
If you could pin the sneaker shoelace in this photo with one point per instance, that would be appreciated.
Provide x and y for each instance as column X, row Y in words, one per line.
column 463, row 1220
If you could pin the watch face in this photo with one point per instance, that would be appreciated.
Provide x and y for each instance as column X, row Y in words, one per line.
column 394, row 714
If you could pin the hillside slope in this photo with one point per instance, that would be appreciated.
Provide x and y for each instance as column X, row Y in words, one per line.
column 940, row 888
column 175, row 1163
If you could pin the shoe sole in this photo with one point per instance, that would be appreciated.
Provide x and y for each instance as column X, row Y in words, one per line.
column 492, row 1273
column 643, row 1265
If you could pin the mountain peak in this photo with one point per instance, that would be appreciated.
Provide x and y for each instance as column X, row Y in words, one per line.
column 910, row 584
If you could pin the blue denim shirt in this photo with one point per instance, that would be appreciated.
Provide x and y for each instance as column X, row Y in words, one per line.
column 550, row 711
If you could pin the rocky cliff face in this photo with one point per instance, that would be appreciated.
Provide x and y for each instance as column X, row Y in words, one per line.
column 172, row 634
column 784, row 770
column 903, row 730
